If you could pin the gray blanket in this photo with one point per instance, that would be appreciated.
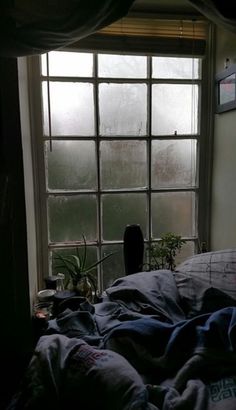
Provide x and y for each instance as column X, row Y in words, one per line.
column 136, row 350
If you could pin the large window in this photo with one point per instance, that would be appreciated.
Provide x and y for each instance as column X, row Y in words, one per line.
column 118, row 143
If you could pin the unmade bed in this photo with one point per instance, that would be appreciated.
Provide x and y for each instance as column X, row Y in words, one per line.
column 159, row 340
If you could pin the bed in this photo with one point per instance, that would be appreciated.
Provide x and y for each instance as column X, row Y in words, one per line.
column 158, row 340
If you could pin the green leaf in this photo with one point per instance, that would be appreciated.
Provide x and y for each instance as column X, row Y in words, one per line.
column 85, row 254
column 69, row 265
column 77, row 262
column 75, row 265
column 91, row 267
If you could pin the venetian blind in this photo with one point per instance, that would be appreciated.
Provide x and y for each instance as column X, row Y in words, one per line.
column 154, row 35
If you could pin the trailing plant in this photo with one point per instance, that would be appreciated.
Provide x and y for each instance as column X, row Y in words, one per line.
column 161, row 255
column 75, row 266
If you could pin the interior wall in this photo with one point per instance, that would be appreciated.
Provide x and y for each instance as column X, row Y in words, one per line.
column 28, row 177
column 223, row 213
column 16, row 336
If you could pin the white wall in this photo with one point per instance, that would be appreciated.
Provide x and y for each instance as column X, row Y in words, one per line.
column 223, row 217
column 28, row 176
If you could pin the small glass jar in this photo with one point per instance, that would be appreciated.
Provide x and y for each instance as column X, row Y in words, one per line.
column 60, row 282
column 43, row 310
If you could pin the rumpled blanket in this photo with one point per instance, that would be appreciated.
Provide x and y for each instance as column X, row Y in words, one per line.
column 144, row 364
column 135, row 350
column 67, row 373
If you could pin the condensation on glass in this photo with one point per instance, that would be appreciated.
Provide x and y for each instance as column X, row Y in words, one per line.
column 113, row 267
column 71, row 217
column 120, row 210
column 110, row 164
column 122, row 66
column 67, row 64
column 174, row 109
column 173, row 212
column 176, row 67
column 174, row 163
column 123, row 164
column 123, row 109
column 71, row 107
column 71, row 165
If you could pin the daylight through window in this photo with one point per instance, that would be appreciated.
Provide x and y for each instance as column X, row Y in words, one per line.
column 120, row 146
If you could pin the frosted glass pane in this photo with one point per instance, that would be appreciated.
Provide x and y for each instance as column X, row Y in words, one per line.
column 72, row 108
column 113, row 267
column 71, row 165
column 68, row 64
column 120, row 210
column 173, row 212
column 187, row 250
column 72, row 216
column 123, row 109
column 174, row 108
column 45, row 108
column 173, row 163
column 174, row 67
column 115, row 66
column 123, row 164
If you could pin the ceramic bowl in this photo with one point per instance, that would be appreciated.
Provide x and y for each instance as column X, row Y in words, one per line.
column 46, row 295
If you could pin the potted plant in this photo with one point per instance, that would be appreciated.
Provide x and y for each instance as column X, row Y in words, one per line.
column 161, row 255
column 81, row 280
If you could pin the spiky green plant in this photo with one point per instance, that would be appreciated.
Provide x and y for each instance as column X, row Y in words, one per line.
column 75, row 265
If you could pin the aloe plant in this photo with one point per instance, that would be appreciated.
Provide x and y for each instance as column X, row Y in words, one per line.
column 75, row 266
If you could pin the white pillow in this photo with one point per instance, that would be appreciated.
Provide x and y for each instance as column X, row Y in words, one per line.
column 200, row 272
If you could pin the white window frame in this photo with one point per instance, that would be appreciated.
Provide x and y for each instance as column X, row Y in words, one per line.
column 203, row 155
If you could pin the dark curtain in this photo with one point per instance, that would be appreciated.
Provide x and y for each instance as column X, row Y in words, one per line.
column 220, row 12
column 30, row 27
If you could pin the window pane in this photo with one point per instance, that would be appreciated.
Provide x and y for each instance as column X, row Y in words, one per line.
column 173, row 163
column 71, row 165
column 187, row 250
column 174, row 109
column 115, row 66
column 123, row 109
column 120, row 210
column 68, row 64
column 113, row 268
column 71, row 217
column 174, row 67
column 173, row 212
column 72, row 108
column 123, row 164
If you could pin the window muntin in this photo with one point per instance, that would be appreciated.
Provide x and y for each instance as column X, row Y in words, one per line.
column 131, row 160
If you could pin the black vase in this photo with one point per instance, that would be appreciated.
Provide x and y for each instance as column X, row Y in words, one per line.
column 133, row 249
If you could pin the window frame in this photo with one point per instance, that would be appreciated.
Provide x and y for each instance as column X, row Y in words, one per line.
column 203, row 168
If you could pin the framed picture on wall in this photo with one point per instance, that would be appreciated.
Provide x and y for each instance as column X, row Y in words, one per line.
column 226, row 89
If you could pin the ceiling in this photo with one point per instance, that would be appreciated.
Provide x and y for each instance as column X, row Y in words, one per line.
column 164, row 7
